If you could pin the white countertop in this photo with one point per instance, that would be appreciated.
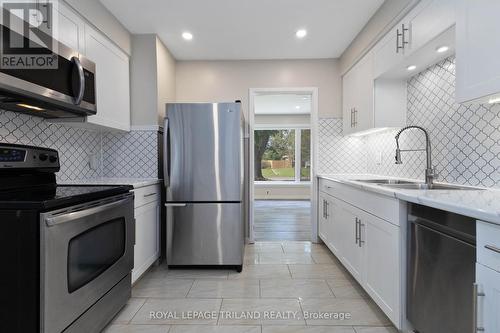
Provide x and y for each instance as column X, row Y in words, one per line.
column 135, row 182
column 480, row 204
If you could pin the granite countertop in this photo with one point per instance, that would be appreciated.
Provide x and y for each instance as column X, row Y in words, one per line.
column 480, row 204
column 135, row 182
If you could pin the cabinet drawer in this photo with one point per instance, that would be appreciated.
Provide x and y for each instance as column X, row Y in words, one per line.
column 382, row 206
column 147, row 194
column 488, row 245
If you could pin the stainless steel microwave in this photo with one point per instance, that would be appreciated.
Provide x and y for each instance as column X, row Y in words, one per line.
column 67, row 90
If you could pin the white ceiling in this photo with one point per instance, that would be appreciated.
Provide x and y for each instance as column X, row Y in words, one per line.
column 247, row 29
column 282, row 104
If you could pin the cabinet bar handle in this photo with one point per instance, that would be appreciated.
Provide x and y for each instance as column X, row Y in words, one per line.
column 476, row 294
column 149, row 195
column 403, row 40
column 492, row 248
column 327, row 205
column 361, row 241
column 356, row 230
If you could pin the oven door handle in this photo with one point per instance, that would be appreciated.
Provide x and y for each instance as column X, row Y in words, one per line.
column 84, row 212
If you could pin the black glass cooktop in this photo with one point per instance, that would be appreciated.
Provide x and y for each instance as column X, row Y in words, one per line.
column 51, row 196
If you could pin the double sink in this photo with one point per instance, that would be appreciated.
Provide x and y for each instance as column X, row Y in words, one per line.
column 413, row 185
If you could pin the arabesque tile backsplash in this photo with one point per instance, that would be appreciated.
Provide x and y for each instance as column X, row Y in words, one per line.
column 76, row 145
column 465, row 138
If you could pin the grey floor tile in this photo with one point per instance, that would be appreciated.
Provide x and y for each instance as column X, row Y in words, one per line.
column 361, row 329
column 162, row 288
column 346, row 288
column 198, row 273
column 324, row 258
column 214, row 329
column 137, row 329
column 344, row 311
column 129, row 310
column 178, row 311
column 264, row 312
column 286, row 258
column 224, row 289
column 307, row 329
column 296, row 288
column 317, row 271
column 262, row 272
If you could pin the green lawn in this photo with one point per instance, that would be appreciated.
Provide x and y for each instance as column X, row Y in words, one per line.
column 284, row 173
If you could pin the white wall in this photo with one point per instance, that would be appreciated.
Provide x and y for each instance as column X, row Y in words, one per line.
column 166, row 67
column 202, row 81
column 152, row 80
column 95, row 12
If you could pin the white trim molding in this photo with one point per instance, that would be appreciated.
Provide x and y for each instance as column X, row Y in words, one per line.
column 313, row 91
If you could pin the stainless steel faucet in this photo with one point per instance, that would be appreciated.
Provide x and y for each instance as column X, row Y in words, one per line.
column 430, row 173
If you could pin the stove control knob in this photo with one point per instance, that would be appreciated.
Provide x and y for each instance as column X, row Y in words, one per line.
column 53, row 159
column 43, row 157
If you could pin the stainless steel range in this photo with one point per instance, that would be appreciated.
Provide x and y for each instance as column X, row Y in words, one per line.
column 69, row 249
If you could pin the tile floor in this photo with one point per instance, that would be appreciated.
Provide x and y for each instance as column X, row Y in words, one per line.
column 281, row 284
column 277, row 220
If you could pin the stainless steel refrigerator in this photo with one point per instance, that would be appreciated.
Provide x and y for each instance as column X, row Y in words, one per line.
column 204, row 171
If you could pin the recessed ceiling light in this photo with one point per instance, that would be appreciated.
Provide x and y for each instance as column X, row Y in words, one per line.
column 297, row 107
column 187, row 35
column 411, row 67
column 301, row 33
column 442, row 49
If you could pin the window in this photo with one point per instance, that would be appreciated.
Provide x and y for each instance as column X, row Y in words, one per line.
column 283, row 155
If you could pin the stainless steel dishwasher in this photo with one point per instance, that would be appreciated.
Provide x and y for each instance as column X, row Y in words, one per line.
column 440, row 271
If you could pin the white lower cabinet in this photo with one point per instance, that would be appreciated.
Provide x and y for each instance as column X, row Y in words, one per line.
column 488, row 299
column 370, row 249
column 382, row 263
column 147, row 231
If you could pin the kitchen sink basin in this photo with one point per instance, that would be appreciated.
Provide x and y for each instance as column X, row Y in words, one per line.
column 423, row 186
column 385, row 181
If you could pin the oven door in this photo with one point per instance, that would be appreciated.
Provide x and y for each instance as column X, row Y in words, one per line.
column 85, row 251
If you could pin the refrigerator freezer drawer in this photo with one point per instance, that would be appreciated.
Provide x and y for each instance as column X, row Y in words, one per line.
column 205, row 234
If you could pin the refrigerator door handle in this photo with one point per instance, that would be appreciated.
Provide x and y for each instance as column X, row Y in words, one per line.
column 175, row 205
column 166, row 154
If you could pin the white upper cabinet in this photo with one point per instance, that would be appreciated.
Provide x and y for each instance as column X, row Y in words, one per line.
column 425, row 22
column 71, row 30
column 477, row 51
column 112, row 81
column 368, row 103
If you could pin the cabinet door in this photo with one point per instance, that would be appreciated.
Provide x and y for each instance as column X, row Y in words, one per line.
column 147, row 247
column 323, row 217
column 382, row 264
column 385, row 55
column 428, row 20
column 348, row 100
column 477, row 65
column 364, row 94
column 488, row 306
column 351, row 251
column 71, row 30
column 335, row 237
column 112, row 81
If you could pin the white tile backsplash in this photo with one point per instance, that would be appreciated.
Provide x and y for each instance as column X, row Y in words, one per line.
column 465, row 138
column 133, row 154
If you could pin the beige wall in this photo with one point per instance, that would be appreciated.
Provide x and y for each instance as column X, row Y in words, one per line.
column 202, row 81
column 381, row 22
column 95, row 12
column 165, row 64
column 152, row 80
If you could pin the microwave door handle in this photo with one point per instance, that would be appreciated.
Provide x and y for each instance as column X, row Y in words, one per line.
column 81, row 76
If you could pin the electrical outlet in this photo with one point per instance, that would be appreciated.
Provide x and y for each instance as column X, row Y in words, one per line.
column 94, row 161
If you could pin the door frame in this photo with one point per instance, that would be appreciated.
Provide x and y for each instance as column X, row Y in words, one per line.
column 313, row 91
